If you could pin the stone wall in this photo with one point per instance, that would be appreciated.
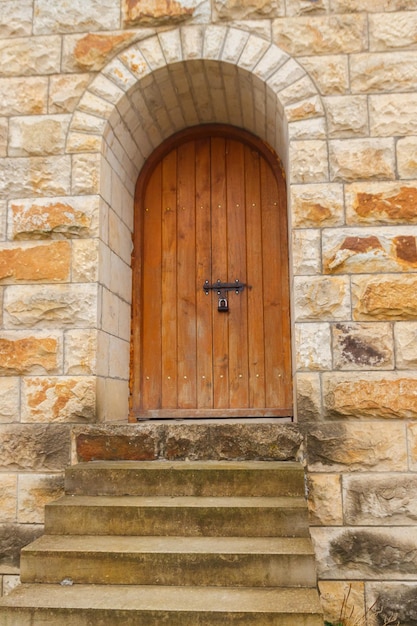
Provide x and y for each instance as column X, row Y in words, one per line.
column 87, row 91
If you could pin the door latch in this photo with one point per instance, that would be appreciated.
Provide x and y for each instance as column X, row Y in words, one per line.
column 222, row 289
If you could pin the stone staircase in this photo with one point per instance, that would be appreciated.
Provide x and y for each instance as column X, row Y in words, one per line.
column 177, row 543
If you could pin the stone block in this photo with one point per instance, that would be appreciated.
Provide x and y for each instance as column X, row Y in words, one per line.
column 329, row 72
column 383, row 72
column 309, row 162
column 412, row 444
column 306, row 255
column 308, row 394
column 37, row 135
column 386, row 500
column 393, row 114
column 302, row 7
column 353, row 159
column 23, row 96
column 23, row 353
column 384, row 297
column 8, row 497
column 321, row 298
column 356, row 447
column 158, row 12
column 85, row 262
column 372, row 6
column 312, row 347
column 51, row 306
column 344, row 599
column 407, row 157
column 347, row 116
column 4, row 128
column 306, row 109
column 112, row 400
column 373, row 395
column 248, row 9
column 381, row 203
column 28, row 447
column 362, row 552
column 405, row 335
column 65, row 91
column 90, row 52
column 85, row 174
column 394, row 602
column 28, row 56
column 325, row 500
column 385, row 250
column 35, row 491
column 13, row 537
column 9, row 400
column 388, row 30
column 55, row 218
column 45, row 262
column 362, row 346
column 35, row 176
column 83, row 142
column 10, row 582
column 315, row 35
column 315, row 206
column 58, row 399
column 80, row 347
column 77, row 15
column 16, row 18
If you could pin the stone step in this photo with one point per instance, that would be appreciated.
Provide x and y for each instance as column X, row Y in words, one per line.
column 186, row 478
column 212, row 561
column 84, row 605
column 185, row 515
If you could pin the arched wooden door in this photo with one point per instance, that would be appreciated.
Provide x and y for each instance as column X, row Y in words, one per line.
column 211, row 207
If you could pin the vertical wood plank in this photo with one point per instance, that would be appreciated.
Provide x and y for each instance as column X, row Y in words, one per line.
column 186, row 277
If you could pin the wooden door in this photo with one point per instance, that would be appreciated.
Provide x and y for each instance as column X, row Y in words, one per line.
column 211, row 206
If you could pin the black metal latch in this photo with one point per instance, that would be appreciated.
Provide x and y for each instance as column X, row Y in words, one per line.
column 221, row 290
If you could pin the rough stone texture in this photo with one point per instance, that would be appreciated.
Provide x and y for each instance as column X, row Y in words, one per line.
column 306, row 251
column 9, row 400
column 35, row 491
column 363, row 346
column 381, row 203
column 412, row 443
column 314, row 206
column 384, row 297
column 65, row 92
column 85, row 263
column 394, row 603
column 308, row 394
column 37, row 135
column 8, row 497
column 325, row 500
column 35, row 176
column 30, row 353
column 85, row 174
column 405, row 334
column 49, row 262
column 90, row 52
column 393, row 114
column 53, row 218
column 356, row 447
column 407, row 157
column 78, row 15
column 308, row 162
column 386, row 395
column 361, row 552
column 248, row 9
column 40, row 447
column 25, row 56
column 50, row 306
column 16, row 18
column 23, row 96
column 13, row 537
column 335, row 595
column 347, row 116
column 330, row 72
column 313, row 346
column 388, row 32
column 60, row 399
column 376, row 6
column 383, row 72
column 80, row 352
column 389, row 500
column 358, row 159
column 156, row 13
column 321, row 298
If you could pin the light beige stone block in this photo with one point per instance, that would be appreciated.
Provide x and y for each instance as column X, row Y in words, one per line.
column 55, row 218
column 308, row 394
column 10, row 582
column 383, row 72
column 312, row 347
column 381, row 203
column 313, row 206
column 356, row 159
column 37, row 135
column 376, row 395
column 407, row 157
column 412, row 445
column 393, row 31
column 80, row 352
column 85, row 174
column 342, row 598
column 405, row 334
column 23, row 96
column 347, row 116
column 83, row 142
column 90, row 52
column 45, row 262
column 309, row 162
column 362, row 346
column 351, row 251
column 77, row 15
column 306, row 109
column 16, row 18
column 303, row 7
column 106, row 89
column 28, row 177
column 393, row 114
column 35, row 492
column 306, row 252
column 321, row 298
column 158, row 12
column 65, row 91
column 50, row 306
column 373, row 6
column 301, row 89
column 22, row 353
column 357, row 447
column 325, row 499
column 9, row 400
column 248, row 9
column 112, row 397
column 8, row 498
column 59, row 399
column 384, row 297
column 330, row 73
column 342, row 34
column 4, row 130
column 85, row 260
column 26, row 56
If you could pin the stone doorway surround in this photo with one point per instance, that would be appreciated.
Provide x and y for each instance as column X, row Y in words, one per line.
column 156, row 87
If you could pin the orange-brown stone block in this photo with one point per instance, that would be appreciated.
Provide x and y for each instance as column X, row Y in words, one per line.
column 58, row 399
column 155, row 12
column 93, row 50
column 384, row 297
column 381, row 203
column 45, row 262
column 30, row 354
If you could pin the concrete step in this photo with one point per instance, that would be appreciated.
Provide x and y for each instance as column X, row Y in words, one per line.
column 185, row 515
column 212, row 561
column 186, row 478
column 84, row 605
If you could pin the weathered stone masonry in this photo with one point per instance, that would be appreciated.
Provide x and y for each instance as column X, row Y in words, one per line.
column 87, row 91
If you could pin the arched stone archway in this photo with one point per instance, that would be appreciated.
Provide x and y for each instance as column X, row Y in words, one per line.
column 163, row 84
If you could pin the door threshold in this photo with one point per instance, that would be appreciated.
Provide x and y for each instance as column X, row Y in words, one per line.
column 218, row 421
